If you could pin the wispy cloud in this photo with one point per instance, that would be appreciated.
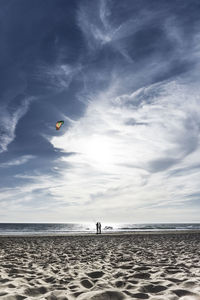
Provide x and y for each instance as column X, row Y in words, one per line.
column 16, row 162
column 129, row 165
column 98, row 28
column 59, row 76
column 9, row 120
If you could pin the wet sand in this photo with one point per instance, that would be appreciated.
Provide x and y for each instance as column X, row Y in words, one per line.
column 152, row 266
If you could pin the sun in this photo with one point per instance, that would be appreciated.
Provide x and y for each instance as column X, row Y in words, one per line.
column 98, row 150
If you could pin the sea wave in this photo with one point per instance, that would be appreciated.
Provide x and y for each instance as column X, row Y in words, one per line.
column 75, row 228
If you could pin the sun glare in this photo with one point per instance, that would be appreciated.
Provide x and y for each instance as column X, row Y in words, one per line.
column 98, row 150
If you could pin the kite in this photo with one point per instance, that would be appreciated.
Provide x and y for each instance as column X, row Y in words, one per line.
column 59, row 124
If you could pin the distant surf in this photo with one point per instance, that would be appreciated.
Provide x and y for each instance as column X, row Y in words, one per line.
column 76, row 228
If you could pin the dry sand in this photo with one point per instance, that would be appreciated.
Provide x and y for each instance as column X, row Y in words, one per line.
column 114, row 267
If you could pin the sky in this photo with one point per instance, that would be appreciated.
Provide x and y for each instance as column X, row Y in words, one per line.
column 124, row 78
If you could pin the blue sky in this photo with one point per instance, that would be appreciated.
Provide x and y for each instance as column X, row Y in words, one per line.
column 124, row 77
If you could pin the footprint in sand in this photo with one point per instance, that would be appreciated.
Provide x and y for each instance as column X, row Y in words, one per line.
column 181, row 293
column 153, row 288
column 190, row 284
column 36, row 291
column 126, row 266
column 96, row 274
column 141, row 275
column 140, row 296
column 11, row 286
column 4, row 280
column 86, row 283
column 120, row 283
column 175, row 280
column 73, row 287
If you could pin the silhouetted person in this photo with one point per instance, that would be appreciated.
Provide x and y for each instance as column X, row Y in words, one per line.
column 99, row 227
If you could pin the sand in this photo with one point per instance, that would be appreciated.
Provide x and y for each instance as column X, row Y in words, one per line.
column 101, row 267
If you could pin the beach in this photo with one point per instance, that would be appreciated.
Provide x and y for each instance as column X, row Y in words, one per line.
column 152, row 265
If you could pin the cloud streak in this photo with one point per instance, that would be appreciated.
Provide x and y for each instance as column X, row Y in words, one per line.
column 16, row 162
column 8, row 122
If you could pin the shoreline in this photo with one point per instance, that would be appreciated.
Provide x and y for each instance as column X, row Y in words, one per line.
column 116, row 233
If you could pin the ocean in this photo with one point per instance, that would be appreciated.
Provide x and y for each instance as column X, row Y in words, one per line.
column 77, row 228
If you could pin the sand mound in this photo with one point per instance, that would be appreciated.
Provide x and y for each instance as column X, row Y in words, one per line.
column 104, row 295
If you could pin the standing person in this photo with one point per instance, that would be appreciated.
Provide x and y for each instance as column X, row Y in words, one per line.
column 100, row 227
column 97, row 227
